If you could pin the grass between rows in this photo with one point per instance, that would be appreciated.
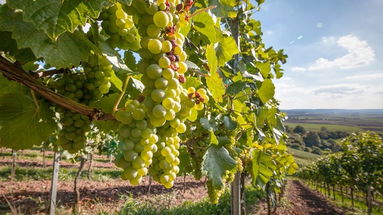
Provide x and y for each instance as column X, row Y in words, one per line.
column 65, row 174
column 203, row 207
column 359, row 208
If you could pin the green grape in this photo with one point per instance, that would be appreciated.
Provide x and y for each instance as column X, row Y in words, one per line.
column 154, row 46
column 182, row 67
column 158, row 95
column 159, row 111
column 154, row 71
column 153, row 132
column 119, row 26
column 164, row 62
column 153, row 31
column 161, row 83
column 168, row 73
column 161, row 19
column 167, row 46
column 168, row 102
column 138, row 114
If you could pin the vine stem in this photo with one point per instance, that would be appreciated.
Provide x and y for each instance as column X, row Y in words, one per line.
column 15, row 73
column 115, row 108
column 203, row 10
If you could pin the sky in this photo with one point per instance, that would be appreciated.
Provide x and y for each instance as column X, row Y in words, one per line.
column 335, row 50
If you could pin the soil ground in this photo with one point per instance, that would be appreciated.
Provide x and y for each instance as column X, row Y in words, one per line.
column 108, row 196
column 300, row 200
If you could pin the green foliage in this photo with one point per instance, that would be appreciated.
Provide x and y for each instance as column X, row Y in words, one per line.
column 67, row 51
column 358, row 165
column 23, row 124
column 54, row 17
column 216, row 162
column 266, row 91
column 219, row 89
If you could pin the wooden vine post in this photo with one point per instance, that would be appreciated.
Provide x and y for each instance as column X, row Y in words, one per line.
column 236, row 184
column 54, row 181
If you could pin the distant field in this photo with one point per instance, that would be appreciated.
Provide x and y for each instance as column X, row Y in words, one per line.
column 317, row 127
column 303, row 158
column 343, row 120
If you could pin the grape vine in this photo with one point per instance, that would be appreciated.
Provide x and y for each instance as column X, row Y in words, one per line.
column 198, row 85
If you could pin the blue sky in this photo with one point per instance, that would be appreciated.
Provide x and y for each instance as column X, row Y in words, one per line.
column 335, row 50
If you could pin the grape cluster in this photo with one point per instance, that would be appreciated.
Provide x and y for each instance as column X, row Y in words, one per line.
column 83, row 87
column 137, row 142
column 74, row 125
column 120, row 27
column 166, row 104
column 199, row 96
column 98, row 72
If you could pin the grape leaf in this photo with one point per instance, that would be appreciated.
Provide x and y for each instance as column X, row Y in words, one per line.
column 262, row 167
column 185, row 161
column 216, row 162
column 114, row 58
column 216, row 86
column 236, row 87
column 214, row 81
column 192, row 82
column 22, row 55
column 116, row 81
column 229, row 123
column 266, row 91
column 204, row 23
column 211, row 58
column 213, row 138
column 135, row 87
column 68, row 50
column 22, row 124
column 208, row 124
column 224, row 8
column 225, row 50
column 106, row 104
column 192, row 66
column 54, row 17
column 264, row 68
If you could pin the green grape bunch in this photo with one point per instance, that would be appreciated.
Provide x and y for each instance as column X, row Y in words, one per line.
column 120, row 27
column 137, row 142
column 84, row 87
column 166, row 104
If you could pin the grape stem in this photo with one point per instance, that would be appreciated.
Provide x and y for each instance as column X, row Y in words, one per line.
column 115, row 108
column 203, row 10
column 15, row 73
column 35, row 100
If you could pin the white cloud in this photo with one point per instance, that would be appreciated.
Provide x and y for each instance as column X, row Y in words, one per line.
column 319, row 25
column 366, row 77
column 294, row 94
column 300, row 37
column 298, row 69
column 359, row 53
column 340, row 89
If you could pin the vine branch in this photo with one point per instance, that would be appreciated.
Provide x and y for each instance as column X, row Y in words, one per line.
column 13, row 72
column 126, row 82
